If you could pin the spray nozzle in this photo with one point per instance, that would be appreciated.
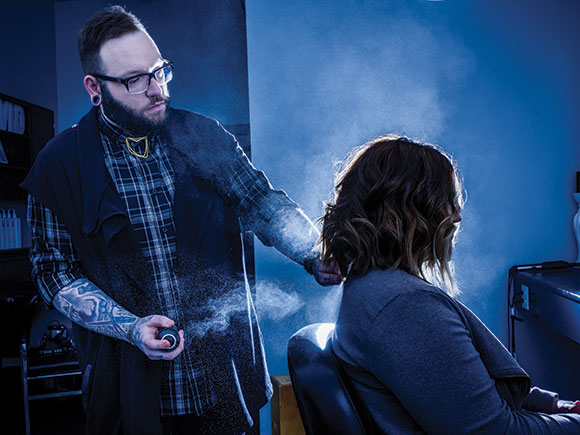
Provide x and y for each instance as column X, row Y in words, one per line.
column 171, row 335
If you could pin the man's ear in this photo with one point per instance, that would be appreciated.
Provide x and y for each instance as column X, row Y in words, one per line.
column 93, row 89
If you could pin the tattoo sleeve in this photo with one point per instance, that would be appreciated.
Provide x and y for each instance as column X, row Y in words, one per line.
column 87, row 305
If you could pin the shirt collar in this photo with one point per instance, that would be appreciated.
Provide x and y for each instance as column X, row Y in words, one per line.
column 116, row 136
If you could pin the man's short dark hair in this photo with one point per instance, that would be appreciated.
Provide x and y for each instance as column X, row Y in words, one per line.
column 112, row 22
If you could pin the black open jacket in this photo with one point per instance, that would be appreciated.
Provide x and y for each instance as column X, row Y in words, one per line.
column 121, row 385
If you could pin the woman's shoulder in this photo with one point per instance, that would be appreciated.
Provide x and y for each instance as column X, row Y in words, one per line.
column 385, row 299
column 388, row 283
column 378, row 288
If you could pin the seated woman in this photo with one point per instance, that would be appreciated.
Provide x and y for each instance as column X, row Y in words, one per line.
column 419, row 359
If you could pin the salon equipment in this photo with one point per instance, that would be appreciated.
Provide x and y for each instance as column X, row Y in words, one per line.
column 576, row 220
column 325, row 399
column 48, row 360
column 544, row 324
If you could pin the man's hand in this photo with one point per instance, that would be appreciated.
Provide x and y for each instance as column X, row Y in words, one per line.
column 327, row 273
column 144, row 336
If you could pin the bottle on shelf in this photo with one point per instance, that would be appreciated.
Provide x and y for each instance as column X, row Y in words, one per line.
column 3, row 230
column 10, row 230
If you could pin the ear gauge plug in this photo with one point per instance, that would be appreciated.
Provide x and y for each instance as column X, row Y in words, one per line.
column 96, row 100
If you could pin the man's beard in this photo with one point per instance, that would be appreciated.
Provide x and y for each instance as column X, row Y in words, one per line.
column 126, row 117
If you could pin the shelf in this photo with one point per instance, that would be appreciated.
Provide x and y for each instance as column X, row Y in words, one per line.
column 53, row 374
column 12, row 167
column 22, row 149
column 11, row 133
column 10, row 179
column 55, row 395
column 11, row 254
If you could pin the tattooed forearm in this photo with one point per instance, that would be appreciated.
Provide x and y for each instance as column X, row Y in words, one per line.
column 87, row 305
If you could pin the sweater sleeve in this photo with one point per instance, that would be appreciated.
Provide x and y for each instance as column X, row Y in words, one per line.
column 540, row 400
column 422, row 351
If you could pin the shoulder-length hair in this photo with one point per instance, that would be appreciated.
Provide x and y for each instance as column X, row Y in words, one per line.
column 393, row 207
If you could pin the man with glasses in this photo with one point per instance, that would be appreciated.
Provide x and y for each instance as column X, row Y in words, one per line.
column 137, row 214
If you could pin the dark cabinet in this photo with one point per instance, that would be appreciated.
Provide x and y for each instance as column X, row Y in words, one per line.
column 545, row 325
column 24, row 130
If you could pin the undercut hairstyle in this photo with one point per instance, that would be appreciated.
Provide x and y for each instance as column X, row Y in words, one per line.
column 393, row 205
column 112, row 22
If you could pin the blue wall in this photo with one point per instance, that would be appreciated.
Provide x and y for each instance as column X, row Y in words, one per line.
column 494, row 83
column 27, row 47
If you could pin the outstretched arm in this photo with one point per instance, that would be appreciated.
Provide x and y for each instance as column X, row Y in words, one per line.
column 277, row 220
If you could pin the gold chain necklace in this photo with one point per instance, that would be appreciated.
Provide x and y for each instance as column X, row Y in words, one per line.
column 137, row 140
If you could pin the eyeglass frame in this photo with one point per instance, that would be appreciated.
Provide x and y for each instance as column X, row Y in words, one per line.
column 150, row 75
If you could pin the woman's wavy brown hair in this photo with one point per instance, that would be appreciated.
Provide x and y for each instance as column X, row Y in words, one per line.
column 394, row 200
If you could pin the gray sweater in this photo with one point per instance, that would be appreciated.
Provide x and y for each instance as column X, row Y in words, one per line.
column 423, row 363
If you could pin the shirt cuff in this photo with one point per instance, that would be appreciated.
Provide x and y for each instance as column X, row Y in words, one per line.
column 539, row 400
column 50, row 284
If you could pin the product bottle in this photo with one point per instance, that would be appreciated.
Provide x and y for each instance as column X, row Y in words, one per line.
column 3, row 236
column 17, row 231
column 11, row 234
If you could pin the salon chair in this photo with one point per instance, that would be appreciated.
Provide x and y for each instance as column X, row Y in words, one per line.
column 327, row 402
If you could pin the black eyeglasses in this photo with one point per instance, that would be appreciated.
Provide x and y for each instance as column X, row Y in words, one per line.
column 139, row 83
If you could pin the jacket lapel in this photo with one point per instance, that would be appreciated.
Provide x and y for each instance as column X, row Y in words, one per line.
column 104, row 212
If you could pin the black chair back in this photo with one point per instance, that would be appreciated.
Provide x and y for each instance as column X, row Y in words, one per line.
column 326, row 405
